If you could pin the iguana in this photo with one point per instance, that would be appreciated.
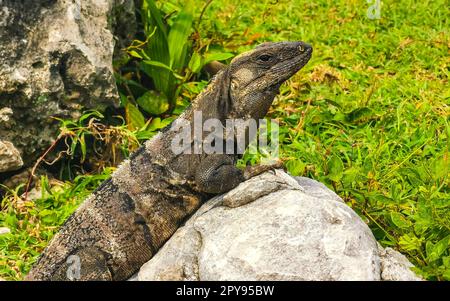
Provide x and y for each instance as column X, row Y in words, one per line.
column 124, row 222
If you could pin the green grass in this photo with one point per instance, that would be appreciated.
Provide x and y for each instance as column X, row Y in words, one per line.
column 368, row 116
column 33, row 223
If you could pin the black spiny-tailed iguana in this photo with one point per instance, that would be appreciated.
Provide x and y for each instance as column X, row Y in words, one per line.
column 130, row 216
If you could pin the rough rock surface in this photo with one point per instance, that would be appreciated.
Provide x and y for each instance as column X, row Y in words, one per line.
column 9, row 157
column 275, row 227
column 395, row 266
column 55, row 58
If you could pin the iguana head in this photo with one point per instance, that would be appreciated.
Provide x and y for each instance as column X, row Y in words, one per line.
column 246, row 88
column 256, row 76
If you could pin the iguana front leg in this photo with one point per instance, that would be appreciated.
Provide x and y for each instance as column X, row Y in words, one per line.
column 253, row 171
column 218, row 173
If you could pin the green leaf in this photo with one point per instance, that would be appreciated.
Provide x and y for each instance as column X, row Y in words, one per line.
column 123, row 99
column 196, row 62
column 446, row 275
column 135, row 119
column 152, row 17
column 158, row 64
column 152, row 127
column 351, row 174
column 440, row 167
column 217, row 56
column 409, row 242
column 399, row 220
column 135, row 54
column 429, row 246
column 157, row 123
column 179, row 35
column 83, row 148
column 163, row 66
column 446, row 261
column 438, row 249
column 90, row 114
column 157, row 48
column 296, row 167
column 335, row 168
column 153, row 102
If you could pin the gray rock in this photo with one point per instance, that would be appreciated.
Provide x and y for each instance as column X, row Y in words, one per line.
column 317, row 189
column 274, row 227
column 56, row 58
column 395, row 266
column 9, row 157
column 5, row 116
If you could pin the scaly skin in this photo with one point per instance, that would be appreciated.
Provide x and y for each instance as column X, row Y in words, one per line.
column 130, row 216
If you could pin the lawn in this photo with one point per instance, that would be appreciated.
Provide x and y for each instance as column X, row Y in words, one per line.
column 368, row 116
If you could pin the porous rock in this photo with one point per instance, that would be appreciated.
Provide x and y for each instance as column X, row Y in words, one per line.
column 276, row 227
column 55, row 59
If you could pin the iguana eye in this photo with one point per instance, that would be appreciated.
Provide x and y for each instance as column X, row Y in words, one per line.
column 264, row 57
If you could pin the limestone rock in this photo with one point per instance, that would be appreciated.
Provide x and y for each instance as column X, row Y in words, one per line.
column 275, row 227
column 9, row 157
column 395, row 266
column 55, row 58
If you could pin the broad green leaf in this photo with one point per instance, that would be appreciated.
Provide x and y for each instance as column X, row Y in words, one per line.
column 152, row 17
column 440, row 167
column 123, row 99
column 439, row 248
column 446, row 275
column 381, row 198
column 179, row 35
column 399, row 220
column 217, row 56
column 431, row 256
column 296, row 167
column 196, row 62
column 157, row 123
column 135, row 119
column 335, row 168
column 153, row 102
column 351, row 174
column 151, row 129
column 446, row 261
column 157, row 48
column 409, row 242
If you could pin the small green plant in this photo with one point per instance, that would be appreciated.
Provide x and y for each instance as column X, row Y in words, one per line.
column 91, row 138
column 168, row 57
column 34, row 222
